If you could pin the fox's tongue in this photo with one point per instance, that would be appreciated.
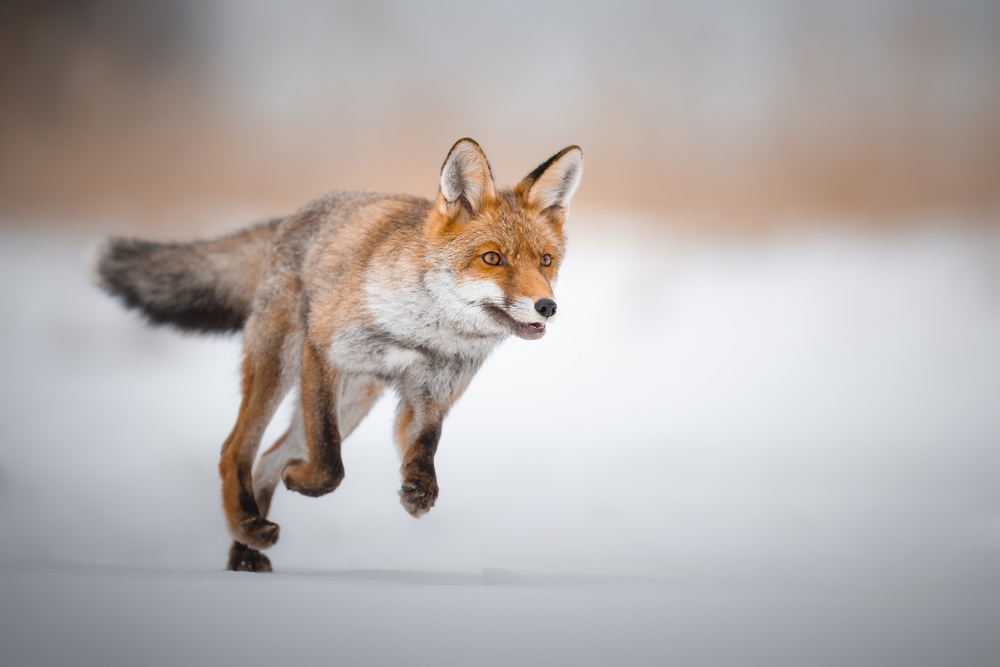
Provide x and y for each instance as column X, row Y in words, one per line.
column 537, row 326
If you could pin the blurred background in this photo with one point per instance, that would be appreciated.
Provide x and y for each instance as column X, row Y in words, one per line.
column 740, row 115
column 774, row 376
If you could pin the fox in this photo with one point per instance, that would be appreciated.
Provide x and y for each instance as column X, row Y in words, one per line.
column 354, row 294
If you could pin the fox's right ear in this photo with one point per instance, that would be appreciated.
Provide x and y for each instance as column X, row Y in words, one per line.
column 466, row 178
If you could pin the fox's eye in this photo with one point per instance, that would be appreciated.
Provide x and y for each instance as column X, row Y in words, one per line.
column 546, row 260
column 492, row 258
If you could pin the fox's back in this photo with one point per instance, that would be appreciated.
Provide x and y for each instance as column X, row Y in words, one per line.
column 335, row 239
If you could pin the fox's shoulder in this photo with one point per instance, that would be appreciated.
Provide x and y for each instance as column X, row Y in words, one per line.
column 353, row 213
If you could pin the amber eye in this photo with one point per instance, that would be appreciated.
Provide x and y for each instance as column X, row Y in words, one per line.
column 546, row 260
column 492, row 258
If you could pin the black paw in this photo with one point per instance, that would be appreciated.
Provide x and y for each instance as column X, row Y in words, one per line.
column 244, row 559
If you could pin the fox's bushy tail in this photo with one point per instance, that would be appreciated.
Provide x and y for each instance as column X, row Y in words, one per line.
column 203, row 286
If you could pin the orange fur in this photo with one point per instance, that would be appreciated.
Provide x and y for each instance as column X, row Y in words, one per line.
column 354, row 293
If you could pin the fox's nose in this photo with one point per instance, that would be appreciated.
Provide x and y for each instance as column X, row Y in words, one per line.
column 547, row 307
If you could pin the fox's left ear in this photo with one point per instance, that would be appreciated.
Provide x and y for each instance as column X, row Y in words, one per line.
column 553, row 182
column 466, row 177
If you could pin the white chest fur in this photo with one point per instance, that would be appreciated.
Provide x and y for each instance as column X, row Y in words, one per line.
column 406, row 363
column 421, row 331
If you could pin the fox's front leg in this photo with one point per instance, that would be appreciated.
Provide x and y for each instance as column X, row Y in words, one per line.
column 324, row 469
column 418, row 432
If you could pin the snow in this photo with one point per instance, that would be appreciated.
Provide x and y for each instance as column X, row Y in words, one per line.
column 169, row 618
column 771, row 451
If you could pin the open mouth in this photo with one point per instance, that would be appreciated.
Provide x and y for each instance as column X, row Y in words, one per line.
column 532, row 328
column 522, row 329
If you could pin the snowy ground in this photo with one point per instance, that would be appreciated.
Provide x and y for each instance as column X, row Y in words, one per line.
column 784, row 451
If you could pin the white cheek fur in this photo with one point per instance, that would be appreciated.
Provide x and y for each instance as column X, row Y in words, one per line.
column 437, row 312
column 480, row 290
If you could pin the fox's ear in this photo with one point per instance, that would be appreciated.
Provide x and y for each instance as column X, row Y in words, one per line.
column 466, row 177
column 554, row 181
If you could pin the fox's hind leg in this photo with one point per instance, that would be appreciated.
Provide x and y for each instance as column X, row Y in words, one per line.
column 269, row 368
column 357, row 395
column 266, row 475
column 244, row 559
column 322, row 469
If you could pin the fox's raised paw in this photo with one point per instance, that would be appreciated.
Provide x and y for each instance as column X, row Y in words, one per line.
column 244, row 559
column 418, row 496
column 312, row 481
column 257, row 533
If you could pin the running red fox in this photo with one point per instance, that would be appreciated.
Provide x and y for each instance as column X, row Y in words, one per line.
column 354, row 293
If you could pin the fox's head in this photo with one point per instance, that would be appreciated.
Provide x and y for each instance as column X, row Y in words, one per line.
column 499, row 250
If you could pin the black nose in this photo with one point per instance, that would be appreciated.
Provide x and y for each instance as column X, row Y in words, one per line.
column 547, row 307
